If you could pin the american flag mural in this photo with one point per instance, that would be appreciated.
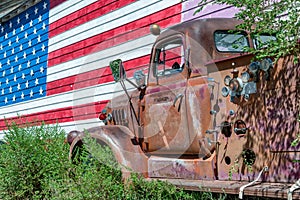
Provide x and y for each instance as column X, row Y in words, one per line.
column 54, row 56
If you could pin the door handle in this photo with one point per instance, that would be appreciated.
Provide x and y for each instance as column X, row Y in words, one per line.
column 178, row 97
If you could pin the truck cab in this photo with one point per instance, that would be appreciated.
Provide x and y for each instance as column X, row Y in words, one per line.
column 206, row 109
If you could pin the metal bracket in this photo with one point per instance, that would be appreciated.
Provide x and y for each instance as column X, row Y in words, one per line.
column 241, row 193
column 292, row 189
column 179, row 96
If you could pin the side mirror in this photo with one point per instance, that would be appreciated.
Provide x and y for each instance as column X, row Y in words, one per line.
column 117, row 70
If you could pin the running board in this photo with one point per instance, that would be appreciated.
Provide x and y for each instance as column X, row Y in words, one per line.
column 271, row 190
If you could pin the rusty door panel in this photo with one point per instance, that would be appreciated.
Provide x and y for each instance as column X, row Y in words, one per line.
column 199, row 119
column 165, row 127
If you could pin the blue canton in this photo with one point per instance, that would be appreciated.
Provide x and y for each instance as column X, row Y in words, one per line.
column 23, row 55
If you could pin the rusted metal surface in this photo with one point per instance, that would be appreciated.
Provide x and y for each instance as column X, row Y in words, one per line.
column 187, row 129
column 161, row 167
column 271, row 116
column 118, row 138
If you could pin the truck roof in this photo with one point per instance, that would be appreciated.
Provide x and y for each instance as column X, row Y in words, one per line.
column 207, row 24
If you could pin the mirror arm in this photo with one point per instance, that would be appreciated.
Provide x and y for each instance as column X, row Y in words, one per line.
column 132, row 83
column 132, row 110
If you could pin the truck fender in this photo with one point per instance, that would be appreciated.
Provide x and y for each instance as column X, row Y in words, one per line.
column 118, row 138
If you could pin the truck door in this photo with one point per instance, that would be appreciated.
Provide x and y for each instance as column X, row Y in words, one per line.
column 165, row 124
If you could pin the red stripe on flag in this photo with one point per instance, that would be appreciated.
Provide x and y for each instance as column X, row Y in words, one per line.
column 115, row 36
column 95, row 77
column 54, row 3
column 61, row 115
column 85, row 14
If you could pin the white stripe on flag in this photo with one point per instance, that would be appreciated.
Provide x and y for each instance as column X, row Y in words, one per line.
column 126, row 51
column 107, row 22
column 67, row 8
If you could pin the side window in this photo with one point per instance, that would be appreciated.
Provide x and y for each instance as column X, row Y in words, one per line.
column 230, row 41
column 169, row 57
column 261, row 41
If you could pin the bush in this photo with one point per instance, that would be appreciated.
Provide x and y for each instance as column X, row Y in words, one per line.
column 34, row 165
column 31, row 160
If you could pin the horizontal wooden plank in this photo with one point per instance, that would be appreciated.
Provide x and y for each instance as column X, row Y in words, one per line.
column 272, row 190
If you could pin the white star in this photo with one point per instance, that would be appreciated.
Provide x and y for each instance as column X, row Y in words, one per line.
column 6, row 35
column 44, row 26
column 23, row 76
column 24, row 55
column 40, row 18
column 2, row 29
column 20, row 67
column 43, row 47
column 8, row 62
column 27, row 84
column 15, row 78
column 10, row 25
column 37, row 60
column 39, row 38
column 31, row 93
column 21, row 47
column 12, row 70
column 26, row 35
column 19, row 87
column 10, row 89
column 17, row 39
column 36, row 81
column 16, row 58
column 30, row 23
column 33, row 51
column 31, row 73
column 42, row 70
column 1, row 47
column 3, row 91
column 5, row 100
column 18, row 20
column 12, row 50
column 41, row 91
column 27, row 15
column 29, row 43
column 0, row 65
column 14, row 32
column 7, row 81
column 3, row 73
column 4, row 55
column 28, row 63
column 22, row 95
column 14, row 98
column 22, row 27
column 34, row 30
column 45, row 5
column 36, row 10
column 9, row 43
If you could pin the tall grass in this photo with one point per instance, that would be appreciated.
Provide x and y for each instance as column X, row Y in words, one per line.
column 34, row 165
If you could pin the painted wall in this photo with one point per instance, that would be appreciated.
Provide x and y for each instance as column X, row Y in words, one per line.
column 68, row 45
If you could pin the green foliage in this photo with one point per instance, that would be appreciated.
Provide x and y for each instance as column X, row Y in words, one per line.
column 34, row 164
column 297, row 139
column 278, row 18
column 31, row 160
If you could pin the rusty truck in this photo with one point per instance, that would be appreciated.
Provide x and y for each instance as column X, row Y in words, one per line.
column 206, row 115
